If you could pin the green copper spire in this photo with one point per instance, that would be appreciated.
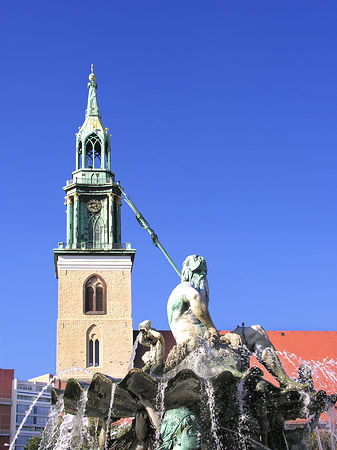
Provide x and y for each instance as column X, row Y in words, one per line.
column 92, row 108
column 93, row 149
column 93, row 198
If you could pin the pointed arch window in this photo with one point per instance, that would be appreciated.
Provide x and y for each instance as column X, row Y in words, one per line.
column 96, row 352
column 93, row 346
column 93, row 151
column 93, row 353
column 94, row 229
column 94, row 295
column 79, row 154
column 107, row 150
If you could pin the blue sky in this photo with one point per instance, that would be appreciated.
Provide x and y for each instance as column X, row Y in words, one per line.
column 223, row 117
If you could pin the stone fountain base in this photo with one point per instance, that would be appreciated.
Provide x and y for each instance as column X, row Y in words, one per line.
column 235, row 412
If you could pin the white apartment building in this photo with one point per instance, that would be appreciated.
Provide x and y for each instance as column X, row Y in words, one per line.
column 23, row 395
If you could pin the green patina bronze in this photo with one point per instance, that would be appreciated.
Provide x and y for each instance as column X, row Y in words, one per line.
column 180, row 430
column 93, row 197
column 143, row 223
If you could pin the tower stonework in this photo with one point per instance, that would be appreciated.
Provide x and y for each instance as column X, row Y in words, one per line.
column 93, row 267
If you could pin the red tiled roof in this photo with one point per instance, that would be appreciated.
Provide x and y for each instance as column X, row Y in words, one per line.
column 318, row 348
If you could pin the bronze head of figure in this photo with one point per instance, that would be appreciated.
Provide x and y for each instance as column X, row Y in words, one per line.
column 180, row 430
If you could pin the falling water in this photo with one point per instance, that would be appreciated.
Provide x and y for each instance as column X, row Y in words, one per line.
column 324, row 372
column 77, row 433
column 43, row 390
column 285, row 440
column 305, row 399
column 160, row 408
column 73, row 369
column 320, row 446
column 246, row 438
column 213, row 413
column 133, row 353
column 332, row 425
column 64, row 437
column 243, row 415
column 112, row 398
column 50, row 432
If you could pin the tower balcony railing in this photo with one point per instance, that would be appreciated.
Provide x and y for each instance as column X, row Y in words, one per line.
column 95, row 246
column 95, row 178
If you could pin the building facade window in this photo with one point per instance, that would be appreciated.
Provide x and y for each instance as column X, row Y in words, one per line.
column 94, row 229
column 91, row 353
column 96, row 353
column 94, row 295
column 93, row 151
column 93, row 346
column 22, row 408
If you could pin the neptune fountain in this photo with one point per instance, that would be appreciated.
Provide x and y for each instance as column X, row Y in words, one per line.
column 204, row 395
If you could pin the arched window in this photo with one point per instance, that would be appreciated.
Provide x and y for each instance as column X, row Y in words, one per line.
column 93, row 151
column 89, row 298
column 94, row 293
column 91, row 234
column 99, row 298
column 107, row 149
column 79, row 154
column 97, row 234
column 97, row 352
column 94, row 229
column 93, row 346
column 91, row 352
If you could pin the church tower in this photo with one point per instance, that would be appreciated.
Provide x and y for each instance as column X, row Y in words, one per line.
column 93, row 267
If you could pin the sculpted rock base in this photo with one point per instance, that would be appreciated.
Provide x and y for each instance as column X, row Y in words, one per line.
column 248, row 409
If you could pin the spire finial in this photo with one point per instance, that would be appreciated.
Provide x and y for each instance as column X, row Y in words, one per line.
column 92, row 76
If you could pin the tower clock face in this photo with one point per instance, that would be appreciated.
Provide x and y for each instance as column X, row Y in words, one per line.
column 94, row 205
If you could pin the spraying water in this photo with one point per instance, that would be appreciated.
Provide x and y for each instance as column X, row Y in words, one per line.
column 160, row 408
column 49, row 435
column 324, row 375
column 243, row 416
column 133, row 353
column 75, row 435
column 64, row 435
column 213, row 413
column 320, row 446
column 74, row 431
column 324, row 372
column 77, row 431
column 112, row 398
column 50, row 383
column 332, row 425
